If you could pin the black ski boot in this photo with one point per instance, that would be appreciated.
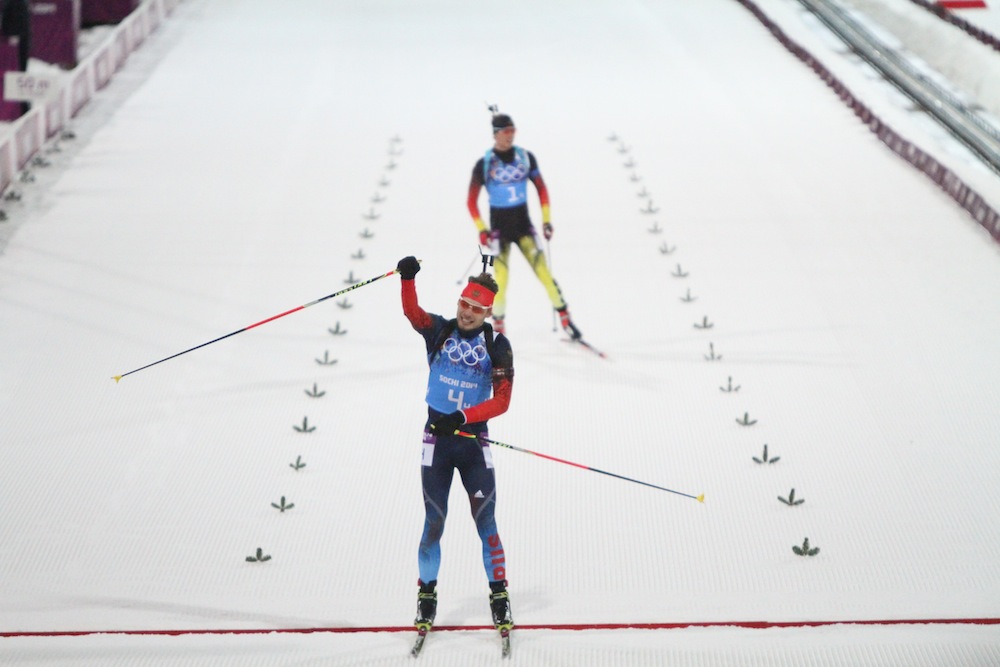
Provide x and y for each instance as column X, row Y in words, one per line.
column 567, row 323
column 427, row 604
column 500, row 606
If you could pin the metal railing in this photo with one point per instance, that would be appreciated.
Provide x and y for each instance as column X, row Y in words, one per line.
column 980, row 136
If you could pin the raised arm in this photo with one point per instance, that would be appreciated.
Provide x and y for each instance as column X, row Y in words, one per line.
column 408, row 268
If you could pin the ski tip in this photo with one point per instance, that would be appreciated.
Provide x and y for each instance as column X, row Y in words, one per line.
column 116, row 378
column 418, row 645
column 701, row 498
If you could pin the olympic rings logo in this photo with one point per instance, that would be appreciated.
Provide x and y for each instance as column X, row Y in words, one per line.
column 465, row 352
column 509, row 173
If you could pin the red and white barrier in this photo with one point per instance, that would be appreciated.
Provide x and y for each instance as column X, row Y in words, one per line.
column 47, row 117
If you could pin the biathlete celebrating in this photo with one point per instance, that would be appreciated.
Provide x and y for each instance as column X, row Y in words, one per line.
column 505, row 171
column 470, row 380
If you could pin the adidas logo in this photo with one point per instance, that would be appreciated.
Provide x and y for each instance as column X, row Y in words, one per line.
column 478, row 494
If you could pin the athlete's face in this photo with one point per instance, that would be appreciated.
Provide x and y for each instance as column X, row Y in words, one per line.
column 471, row 314
column 504, row 138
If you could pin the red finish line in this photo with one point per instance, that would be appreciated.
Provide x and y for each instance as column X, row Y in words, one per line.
column 754, row 625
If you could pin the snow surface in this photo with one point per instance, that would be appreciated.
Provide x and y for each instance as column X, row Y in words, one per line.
column 224, row 177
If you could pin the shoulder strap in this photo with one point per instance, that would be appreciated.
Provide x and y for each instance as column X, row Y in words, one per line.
column 486, row 165
column 488, row 335
column 435, row 348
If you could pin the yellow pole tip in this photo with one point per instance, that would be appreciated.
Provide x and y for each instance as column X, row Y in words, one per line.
column 701, row 498
column 116, row 378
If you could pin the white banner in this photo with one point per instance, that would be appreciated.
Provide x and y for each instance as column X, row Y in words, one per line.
column 33, row 87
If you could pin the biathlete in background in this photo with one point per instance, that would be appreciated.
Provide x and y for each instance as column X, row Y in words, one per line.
column 505, row 171
column 470, row 380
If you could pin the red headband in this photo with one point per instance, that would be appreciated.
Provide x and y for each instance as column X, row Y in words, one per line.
column 479, row 294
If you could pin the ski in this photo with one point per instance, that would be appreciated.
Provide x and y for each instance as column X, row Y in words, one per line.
column 586, row 345
column 418, row 645
column 426, row 611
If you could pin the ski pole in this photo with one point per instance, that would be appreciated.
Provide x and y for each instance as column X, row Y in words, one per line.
column 467, row 269
column 700, row 498
column 116, row 378
column 548, row 258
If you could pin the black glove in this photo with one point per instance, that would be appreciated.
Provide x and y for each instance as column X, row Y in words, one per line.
column 408, row 267
column 448, row 424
